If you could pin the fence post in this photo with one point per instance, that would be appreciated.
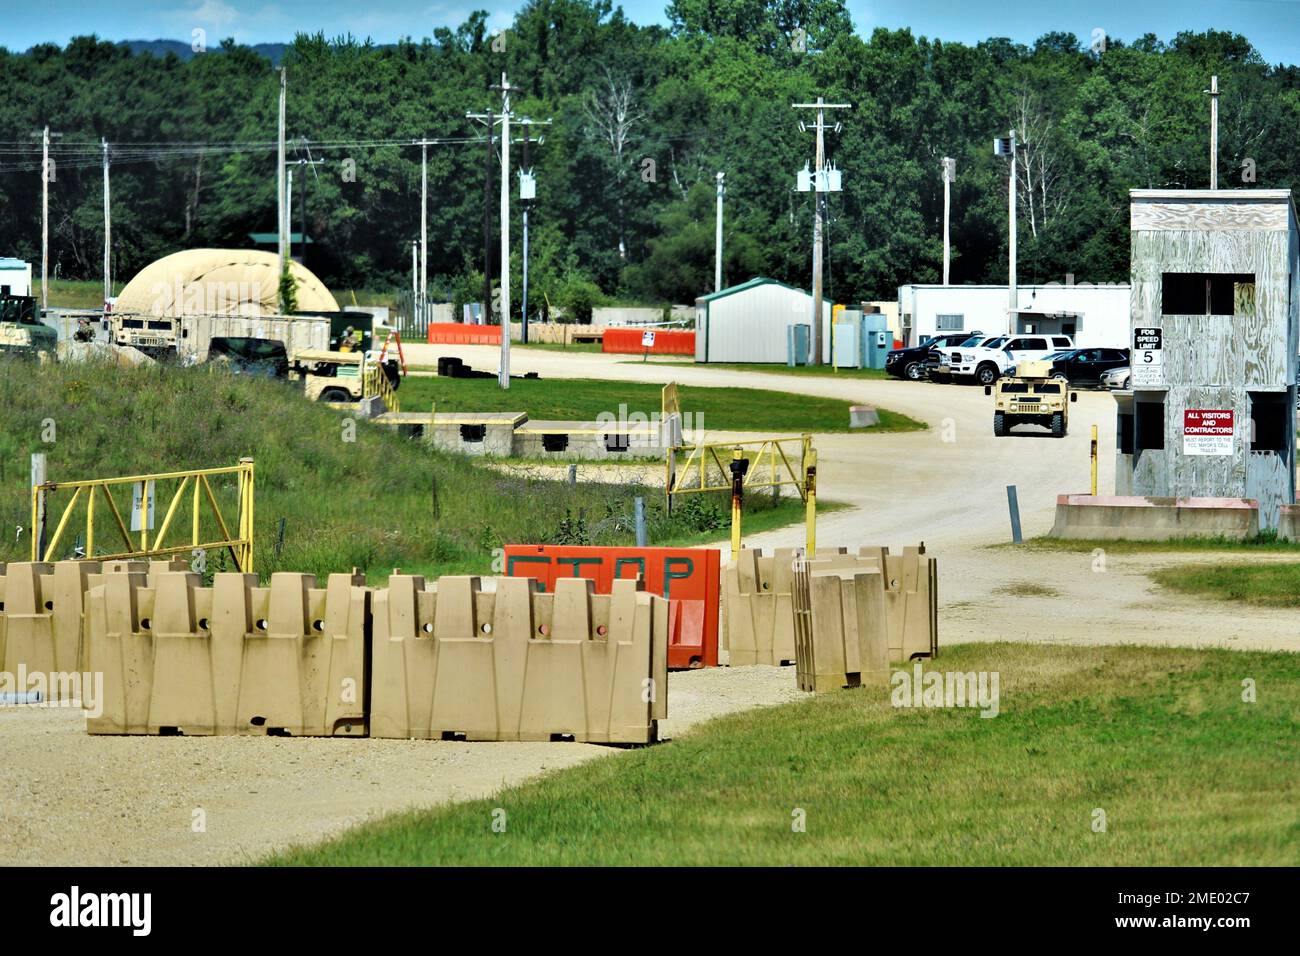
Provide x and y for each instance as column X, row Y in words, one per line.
column 573, row 474
column 1094, row 461
column 737, row 493
column 639, row 509
column 38, row 506
column 810, row 502
column 1013, row 505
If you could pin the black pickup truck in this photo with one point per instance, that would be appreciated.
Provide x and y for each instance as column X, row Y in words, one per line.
column 910, row 362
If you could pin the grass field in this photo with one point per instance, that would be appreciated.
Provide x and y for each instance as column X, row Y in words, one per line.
column 72, row 294
column 1158, row 739
column 581, row 399
column 1268, row 585
column 376, row 502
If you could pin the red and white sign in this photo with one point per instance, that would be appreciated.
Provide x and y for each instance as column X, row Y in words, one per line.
column 1207, row 431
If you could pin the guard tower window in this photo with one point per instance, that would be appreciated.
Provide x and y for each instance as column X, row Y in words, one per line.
column 1268, row 421
column 1125, row 436
column 1207, row 293
column 1149, row 422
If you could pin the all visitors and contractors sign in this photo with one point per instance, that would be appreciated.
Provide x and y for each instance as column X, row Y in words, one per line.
column 1147, row 360
column 1207, row 431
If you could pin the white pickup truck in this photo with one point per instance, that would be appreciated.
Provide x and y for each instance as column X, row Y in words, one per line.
column 997, row 356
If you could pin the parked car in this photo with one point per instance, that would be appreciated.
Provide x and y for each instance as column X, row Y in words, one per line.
column 1117, row 378
column 1087, row 366
column 910, row 362
column 991, row 360
column 940, row 364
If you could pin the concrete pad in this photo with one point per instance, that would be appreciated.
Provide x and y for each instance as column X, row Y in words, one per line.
column 1112, row 517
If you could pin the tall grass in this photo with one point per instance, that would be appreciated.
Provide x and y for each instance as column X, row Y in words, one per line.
column 377, row 502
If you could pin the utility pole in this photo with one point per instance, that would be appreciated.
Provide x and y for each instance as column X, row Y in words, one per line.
column 1013, row 294
column 282, row 216
column 302, row 204
column 415, row 281
column 302, row 198
column 45, row 136
column 503, row 375
column 1214, row 132
column 527, row 193
column 487, row 223
column 1008, row 147
column 949, row 176
column 108, row 232
column 503, row 372
column 717, row 237
column 821, row 185
column 423, row 295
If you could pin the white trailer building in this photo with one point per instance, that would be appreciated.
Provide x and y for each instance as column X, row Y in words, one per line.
column 1094, row 315
column 15, row 277
column 748, row 322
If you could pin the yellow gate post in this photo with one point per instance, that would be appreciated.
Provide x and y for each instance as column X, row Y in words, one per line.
column 737, row 491
column 1094, row 461
column 810, row 502
column 145, row 545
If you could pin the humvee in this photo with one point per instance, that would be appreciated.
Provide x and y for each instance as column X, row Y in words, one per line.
column 1030, row 396
column 21, row 328
column 339, row 376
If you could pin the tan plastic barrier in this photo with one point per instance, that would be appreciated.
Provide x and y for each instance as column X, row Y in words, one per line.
column 517, row 664
column 41, row 622
column 761, row 620
column 42, row 619
column 757, row 617
column 230, row 659
column 841, row 637
column 911, row 596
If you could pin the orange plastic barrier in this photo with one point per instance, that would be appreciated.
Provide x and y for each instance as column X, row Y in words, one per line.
column 667, row 342
column 458, row 333
column 688, row 577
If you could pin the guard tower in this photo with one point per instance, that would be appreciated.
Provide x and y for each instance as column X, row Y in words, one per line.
column 1212, row 412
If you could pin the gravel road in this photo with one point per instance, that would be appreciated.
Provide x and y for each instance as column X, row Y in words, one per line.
column 67, row 798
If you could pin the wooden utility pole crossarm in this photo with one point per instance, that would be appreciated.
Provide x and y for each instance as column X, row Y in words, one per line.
column 820, row 186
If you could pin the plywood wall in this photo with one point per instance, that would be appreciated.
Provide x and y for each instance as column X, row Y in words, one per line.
column 1215, row 361
column 1251, row 350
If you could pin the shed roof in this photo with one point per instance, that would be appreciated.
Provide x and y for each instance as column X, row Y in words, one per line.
column 751, row 284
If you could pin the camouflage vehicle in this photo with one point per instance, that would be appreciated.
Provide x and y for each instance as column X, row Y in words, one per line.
column 21, row 329
column 189, row 337
column 341, row 376
column 1031, row 396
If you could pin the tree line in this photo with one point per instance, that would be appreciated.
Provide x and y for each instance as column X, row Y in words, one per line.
column 641, row 120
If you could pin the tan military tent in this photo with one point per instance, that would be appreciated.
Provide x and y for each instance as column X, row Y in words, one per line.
column 219, row 282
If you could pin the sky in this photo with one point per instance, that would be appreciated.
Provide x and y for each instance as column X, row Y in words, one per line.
column 1273, row 26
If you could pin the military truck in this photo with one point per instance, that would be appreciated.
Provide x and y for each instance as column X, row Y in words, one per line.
column 1030, row 396
column 21, row 330
column 342, row 376
column 190, row 337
